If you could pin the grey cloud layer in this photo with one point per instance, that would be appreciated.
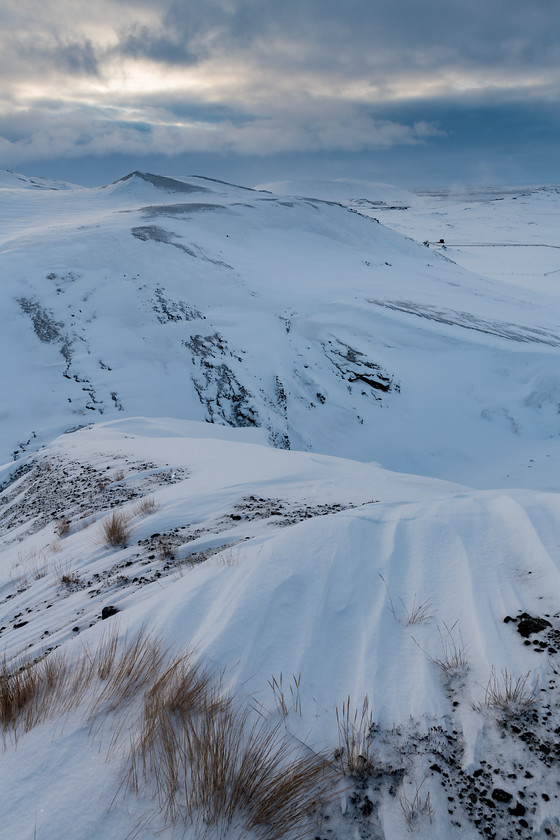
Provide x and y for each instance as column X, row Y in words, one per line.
column 261, row 76
column 316, row 34
column 355, row 34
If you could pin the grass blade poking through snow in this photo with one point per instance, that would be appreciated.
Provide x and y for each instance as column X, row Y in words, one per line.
column 354, row 734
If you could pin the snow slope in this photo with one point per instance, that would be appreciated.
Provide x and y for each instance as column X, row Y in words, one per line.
column 196, row 299
column 364, row 532
column 339, row 578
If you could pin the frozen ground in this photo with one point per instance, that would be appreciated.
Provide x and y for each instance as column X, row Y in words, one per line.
column 386, row 593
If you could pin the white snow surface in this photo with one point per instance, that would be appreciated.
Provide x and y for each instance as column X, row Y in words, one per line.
column 351, row 443
column 196, row 299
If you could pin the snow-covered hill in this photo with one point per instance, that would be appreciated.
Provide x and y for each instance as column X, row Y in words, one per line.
column 196, row 299
column 346, row 520
column 314, row 585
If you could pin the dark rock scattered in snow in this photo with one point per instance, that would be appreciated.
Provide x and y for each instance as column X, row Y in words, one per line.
column 528, row 624
column 501, row 795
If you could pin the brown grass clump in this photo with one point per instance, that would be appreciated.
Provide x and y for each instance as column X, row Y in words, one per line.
column 116, row 530
column 207, row 762
column 209, row 765
column 453, row 660
column 30, row 692
column 146, row 506
column 62, row 527
column 126, row 673
column 70, row 581
column 508, row 694
column 252, row 775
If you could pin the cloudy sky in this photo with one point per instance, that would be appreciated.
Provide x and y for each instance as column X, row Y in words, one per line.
column 414, row 92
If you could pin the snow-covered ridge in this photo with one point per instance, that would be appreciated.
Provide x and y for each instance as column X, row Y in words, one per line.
column 311, row 583
column 348, row 518
column 304, row 317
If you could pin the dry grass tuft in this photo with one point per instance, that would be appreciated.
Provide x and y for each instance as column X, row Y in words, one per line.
column 111, row 676
column 453, row 660
column 416, row 807
column 277, row 687
column 206, row 762
column 508, row 694
column 229, row 556
column 29, row 692
column 209, row 766
column 146, row 506
column 125, row 673
column 354, row 734
column 116, row 530
column 62, row 527
column 418, row 613
column 70, row 581
column 165, row 549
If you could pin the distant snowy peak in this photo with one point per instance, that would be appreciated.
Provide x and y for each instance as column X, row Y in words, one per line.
column 14, row 180
column 181, row 184
column 356, row 193
column 170, row 185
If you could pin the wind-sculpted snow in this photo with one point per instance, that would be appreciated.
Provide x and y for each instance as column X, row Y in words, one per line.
column 310, row 583
column 513, row 332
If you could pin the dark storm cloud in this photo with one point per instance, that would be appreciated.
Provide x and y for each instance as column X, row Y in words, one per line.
column 356, row 34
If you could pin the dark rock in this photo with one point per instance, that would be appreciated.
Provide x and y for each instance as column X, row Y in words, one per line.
column 501, row 795
column 436, row 768
column 107, row 612
column 528, row 624
column 367, row 807
column 20, row 624
column 518, row 811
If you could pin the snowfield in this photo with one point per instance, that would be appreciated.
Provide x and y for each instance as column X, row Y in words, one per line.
column 332, row 454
